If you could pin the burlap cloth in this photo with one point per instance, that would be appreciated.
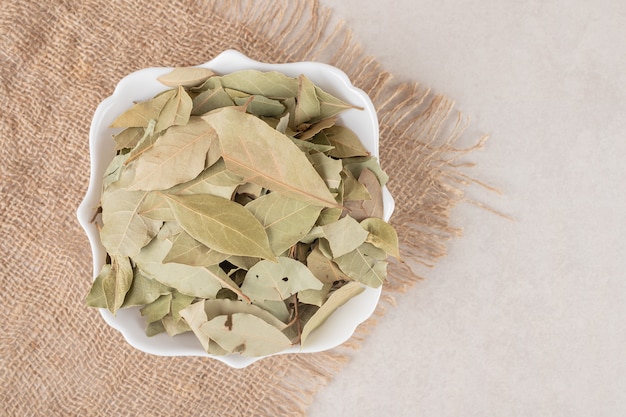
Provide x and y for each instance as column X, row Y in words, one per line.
column 59, row 59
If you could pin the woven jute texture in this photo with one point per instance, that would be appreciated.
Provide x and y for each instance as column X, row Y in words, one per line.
column 59, row 59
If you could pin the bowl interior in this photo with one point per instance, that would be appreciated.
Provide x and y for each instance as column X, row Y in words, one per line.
column 142, row 85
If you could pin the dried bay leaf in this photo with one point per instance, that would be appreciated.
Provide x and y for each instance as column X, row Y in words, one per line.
column 276, row 308
column 169, row 230
column 215, row 180
column 144, row 290
column 269, row 280
column 336, row 300
column 373, row 207
column 211, row 99
column 329, row 215
column 186, row 76
column 155, row 328
column 124, row 231
column 271, row 84
column 283, row 124
column 113, row 171
column 187, row 250
column 202, row 282
column 344, row 236
column 345, row 142
column 324, row 268
column 157, row 309
column 251, row 189
column 243, row 262
column 214, row 308
column 179, row 155
column 221, row 224
column 357, row 164
column 317, row 128
column 261, row 106
column 307, row 103
column 330, row 105
column 365, row 264
column 95, row 297
column 155, row 207
column 144, row 143
column 310, row 147
column 195, row 316
column 353, row 189
column 174, row 327
column 141, row 113
column 327, row 168
column 382, row 235
column 179, row 302
column 264, row 156
column 285, row 220
column 315, row 297
column 176, row 111
column 246, row 334
column 128, row 138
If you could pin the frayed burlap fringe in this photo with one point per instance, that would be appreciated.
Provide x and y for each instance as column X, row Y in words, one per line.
column 58, row 60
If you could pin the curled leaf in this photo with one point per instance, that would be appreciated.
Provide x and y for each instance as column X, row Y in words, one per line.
column 382, row 235
column 336, row 300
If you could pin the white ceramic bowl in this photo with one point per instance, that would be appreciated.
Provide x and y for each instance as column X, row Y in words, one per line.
column 142, row 85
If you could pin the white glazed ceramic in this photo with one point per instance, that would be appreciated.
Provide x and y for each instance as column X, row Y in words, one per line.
column 142, row 85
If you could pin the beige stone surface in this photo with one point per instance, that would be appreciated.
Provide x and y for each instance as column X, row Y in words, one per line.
column 524, row 317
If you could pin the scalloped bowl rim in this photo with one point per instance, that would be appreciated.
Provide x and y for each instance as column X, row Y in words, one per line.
column 142, row 85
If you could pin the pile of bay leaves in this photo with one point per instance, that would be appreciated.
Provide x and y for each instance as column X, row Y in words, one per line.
column 237, row 209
